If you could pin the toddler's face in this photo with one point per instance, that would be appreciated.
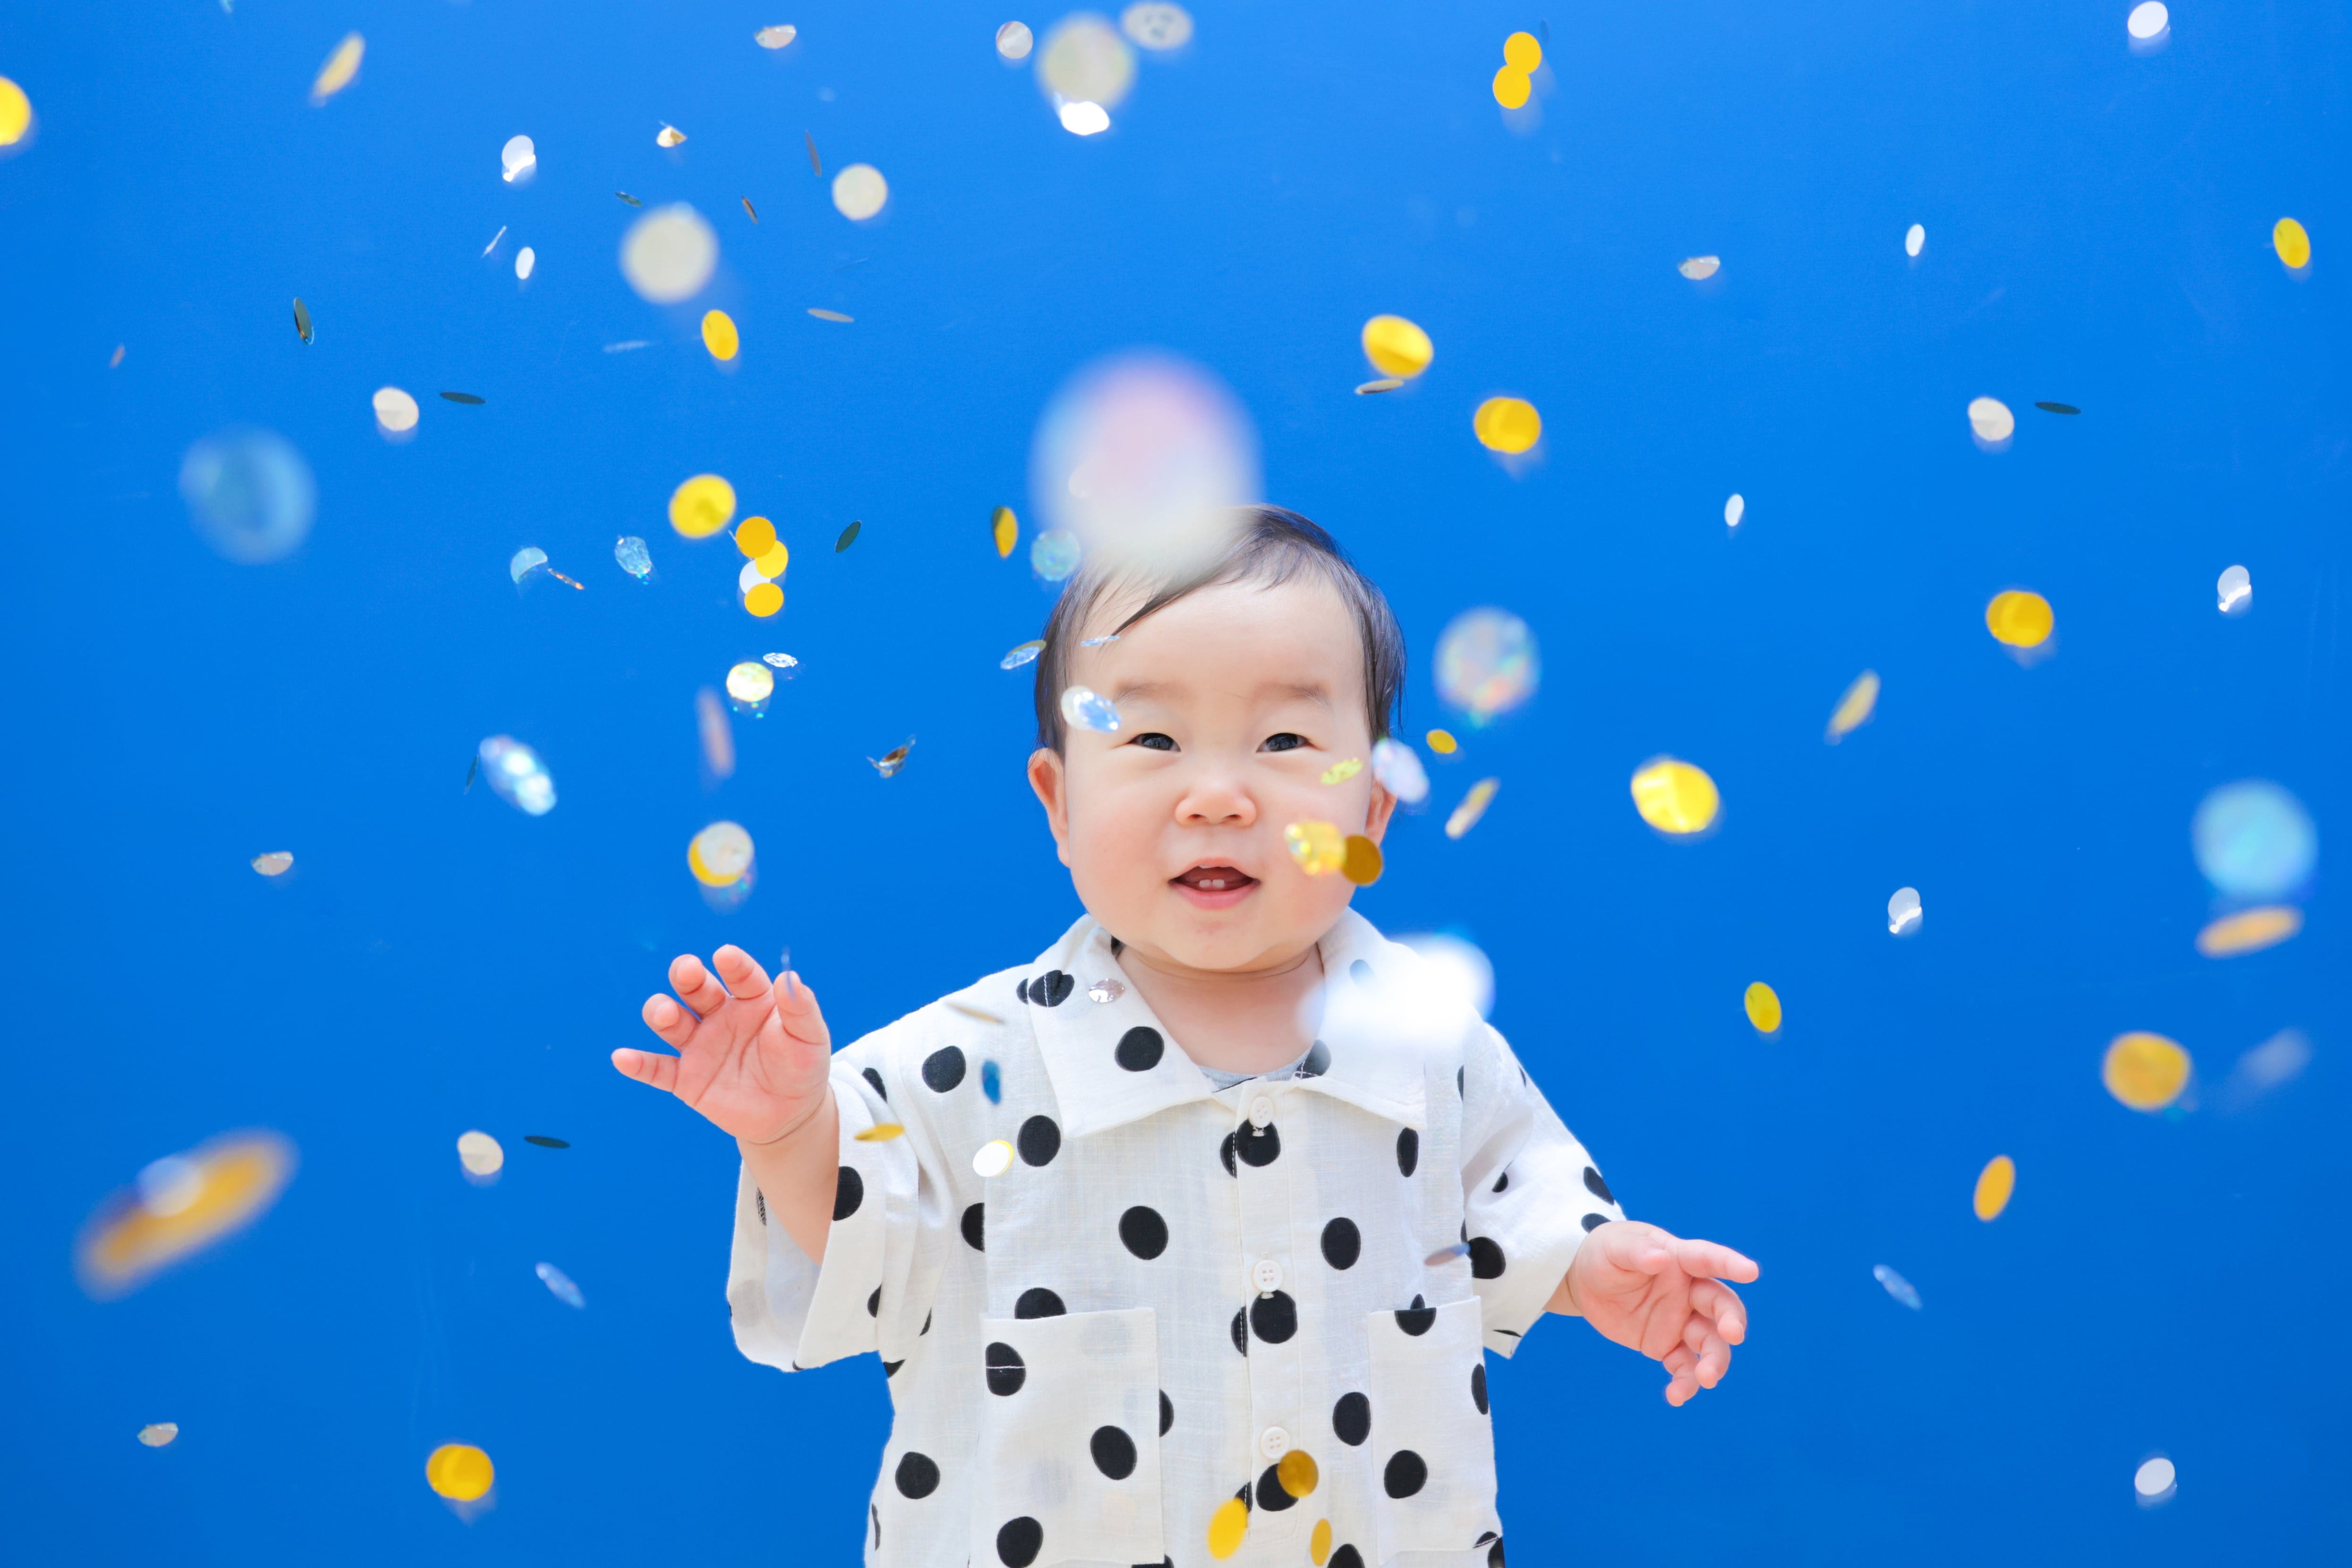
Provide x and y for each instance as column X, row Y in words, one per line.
column 1232, row 702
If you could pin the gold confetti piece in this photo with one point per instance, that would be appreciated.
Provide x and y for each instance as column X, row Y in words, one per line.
column 628, row 198
column 1226, row 1528
column 1512, row 87
column 701, row 506
column 1318, row 1544
column 1364, row 862
column 1397, row 347
column 1521, row 52
column 2019, row 618
column 1699, row 268
column 341, row 68
column 972, row 1012
column 747, row 208
column 772, row 564
column 1674, row 796
column 764, row 599
column 892, row 761
column 824, row 315
column 880, row 1132
column 2146, row 1072
column 719, row 335
column 719, row 855
column 1763, row 1005
column 848, row 537
column 1366, row 389
column 1855, row 708
column 118, row 356
column 16, row 113
column 860, row 192
column 1296, row 1472
column 1318, row 847
column 181, row 1204
column 775, row 37
column 1472, row 806
column 669, row 136
column 301, row 318
column 1006, row 529
column 479, row 1155
column 815, row 167
column 1442, row 742
column 157, row 1434
column 1990, row 420
column 1507, row 424
column 993, row 1159
column 2250, row 930
column 2293, row 245
column 278, row 862
column 1340, row 772
column 560, row 577
column 755, row 537
column 1995, row 1185
column 460, row 1471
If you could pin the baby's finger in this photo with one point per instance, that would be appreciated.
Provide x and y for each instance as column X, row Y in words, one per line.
column 744, row 979
column 1714, row 1359
column 667, row 1020
column 796, row 1006
column 696, row 986
column 1709, row 1259
column 1682, row 1385
column 1721, row 1303
column 661, row 1071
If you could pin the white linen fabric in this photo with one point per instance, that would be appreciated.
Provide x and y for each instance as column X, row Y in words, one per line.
column 1169, row 1288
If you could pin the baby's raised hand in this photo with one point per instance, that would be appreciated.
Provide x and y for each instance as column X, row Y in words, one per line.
column 1662, row 1296
column 750, row 1056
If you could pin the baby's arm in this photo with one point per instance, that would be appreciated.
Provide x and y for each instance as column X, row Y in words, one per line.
column 753, row 1058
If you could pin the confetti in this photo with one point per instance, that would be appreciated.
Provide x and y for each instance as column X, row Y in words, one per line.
column 2250, row 930
column 848, row 537
column 2156, row 1481
column 16, row 113
column 2020, row 619
column 560, row 577
column 1082, row 119
column 669, row 136
column 1990, row 420
column 1442, row 742
column 1699, row 268
column 1102, row 642
column 1472, row 806
column 701, row 506
column 992, row 1077
column 993, row 1159
column 558, row 1285
column 880, row 1132
column 1318, row 847
column 1054, row 554
column 1445, row 1255
column 1340, row 772
column 1106, row 991
column 1296, row 1473
column 860, row 192
column 2145, row 1072
column 630, row 552
column 1362, row 863
column 1897, row 1285
column 719, row 335
column 341, row 68
column 518, row 161
column 1734, row 510
column 763, row 599
column 1507, row 424
column 1522, row 52
column 1904, row 914
column 480, row 1157
column 249, row 494
column 751, row 684
column 395, row 411
column 1226, row 1528
column 1762, row 1004
column 1005, row 529
column 2254, row 841
column 1156, row 25
column 544, row 1141
column 824, row 315
column 1013, row 40
column 748, row 210
column 468, row 399
column 784, row 663
column 1513, row 88
column 1855, row 708
column 180, row 1205
column 669, row 253
column 628, row 198
column 1995, row 1184
column 716, row 736
column 1385, row 384
column 460, row 1471
column 301, row 320
column 624, row 348
column 2293, row 245
column 1022, row 653
column 2149, row 19
column 1914, row 239
column 2057, row 408
column 892, row 761
column 118, row 347
column 1085, row 709
column 473, row 766
column 526, row 259
column 719, row 855
column 277, row 862
column 2236, row 588
column 1397, row 347
column 1085, row 61
column 983, row 1014
column 1396, row 768
column 1319, row 1543
column 528, row 559
column 517, row 775
column 1487, row 663
column 158, row 1434
column 815, row 167
column 755, row 538
column 775, row 37
column 1675, row 797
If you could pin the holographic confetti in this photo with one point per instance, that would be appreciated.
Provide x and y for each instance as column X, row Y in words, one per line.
column 528, row 559
column 558, row 1285
column 249, row 494
column 2235, row 589
column 630, row 552
column 1110, row 989
column 518, row 160
column 1472, row 806
column 719, row 855
column 2254, row 840
column 784, row 663
column 1397, row 767
column 751, row 683
column 1054, row 554
column 892, row 761
column 1013, row 40
column 542, row 1140
column 395, row 411
column 1340, row 772
column 1380, row 384
column 1157, row 25
column 1318, row 847
column 1914, row 239
column 1904, row 913
column 1442, row 742
column 468, row 399
column 1487, row 663
column 1087, row 710
column 2157, row 1480
column 1022, row 653
column 516, row 773
column 1897, row 1285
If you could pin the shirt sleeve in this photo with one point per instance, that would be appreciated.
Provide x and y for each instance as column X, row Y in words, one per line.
column 1530, row 1192
column 881, row 1261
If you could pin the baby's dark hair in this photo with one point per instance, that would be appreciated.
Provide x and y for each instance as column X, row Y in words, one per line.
column 1267, row 545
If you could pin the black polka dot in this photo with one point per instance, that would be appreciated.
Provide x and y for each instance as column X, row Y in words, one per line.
column 876, row 1079
column 1483, row 1537
column 848, row 1192
column 1343, row 1243
column 1271, row 1496
column 1139, row 1048
column 1051, row 989
column 1007, row 1371
column 1595, row 1221
column 874, row 1303
column 1022, row 990
column 1360, row 972
column 1347, row 1556
column 975, row 1227
column 1596, row 1186
column 918, row 1474
column 1167, row 1413
column 1351, row 1418
column 943, row 1069
column 1502, row 1181
column 1417, row 1319
column 1037, row 1302
column 1478, row 1387
column 1258, row 1146
column 1317, row 1063
column 1274, row 1317
column 1408, row 1150
column 1039, row 1140
column 1114, row 1452
column 1143, row 1231
column 890, row 1368
column 1241, row 1330
column 1018, row 1543
column 1486, row 1257
column 1406, row 1473
column 1495, row 1554
column 1226, row 1153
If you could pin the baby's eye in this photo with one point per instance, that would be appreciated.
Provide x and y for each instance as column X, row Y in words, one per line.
column 1152, row 740
column 1286, row 741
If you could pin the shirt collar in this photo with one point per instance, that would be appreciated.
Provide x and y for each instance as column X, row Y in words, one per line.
column 1112, row 1061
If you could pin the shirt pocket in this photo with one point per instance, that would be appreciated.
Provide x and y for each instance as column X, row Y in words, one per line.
column 1432, row 1445
column 1069, row 1441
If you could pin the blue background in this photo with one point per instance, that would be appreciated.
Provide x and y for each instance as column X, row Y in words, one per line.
column 2097, row 232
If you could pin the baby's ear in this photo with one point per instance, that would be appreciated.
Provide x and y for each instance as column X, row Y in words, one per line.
column 1376, row 817
column 1052, row 783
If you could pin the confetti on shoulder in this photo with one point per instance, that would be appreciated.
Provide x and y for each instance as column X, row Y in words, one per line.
column 544, row 1141
column 628, row 198
column 972, row 1012
column 1385, row 383
column 829, row 315
column 880, row 1132
column 466, row 398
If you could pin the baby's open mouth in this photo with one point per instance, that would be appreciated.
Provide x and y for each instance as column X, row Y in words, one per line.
column 1215, row 879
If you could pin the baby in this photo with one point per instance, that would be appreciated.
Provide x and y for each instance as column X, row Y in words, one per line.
column 1186, row 1239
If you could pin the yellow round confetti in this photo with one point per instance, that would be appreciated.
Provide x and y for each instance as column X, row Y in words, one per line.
column 1006, row 529
column 1512, row 87
column 1675, row 797
column 1318, row 847
column 1296, row 1472
column 2020, row 619
column 1995, row 1183
column 460, row 1471
column 702, row 506
column 764, row 599
column 1442, row 742
column 1521, row 52
column 1318, row 1544
column 1763, row 1005
column 1507, row 424
column 2250, row 930
column 1226, row 1528
column 17, row 115
column 751, row 682
column 719, row 335
column 1361, row 865
column 772, row 565
column 2287, row 237
column 1397, row 347
column 755, row 537
column 2146, row 1072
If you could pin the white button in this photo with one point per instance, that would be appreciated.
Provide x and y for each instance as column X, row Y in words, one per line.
column 1274, row 1443
column 1261, row 1111
column 1267, row 1276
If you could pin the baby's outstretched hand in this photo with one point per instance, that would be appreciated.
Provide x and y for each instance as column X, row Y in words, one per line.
column 1662, row 1296
column 751, row 1058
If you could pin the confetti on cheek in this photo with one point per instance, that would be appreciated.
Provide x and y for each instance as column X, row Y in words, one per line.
column 1318, row 847
column 1363, row 862
column 1340, row 772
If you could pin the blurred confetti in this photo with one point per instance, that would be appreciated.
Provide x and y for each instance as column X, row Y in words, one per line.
column 1904, row 914
column 1734, row 510
column 249, row 494
column 1384, row 384
column 1855, row 708
column 718, row 737
column 860, row 192
column 518, row 161
column 558, row 1285
column 783, row 664
column 277, row 862
column 719, row 856
column 2066, row 408
column 1762, row 1005
column 2293, row 245
column 1085, row 61
column 1363, row 862
column 881, row 1132
column 181, row 1204
column 2250, row 930
column 2018, row 619
column 1398, row 768
column 1140, row 456
column 516, row 774
column 16, row 114
column 395, row 411
column 2156, row 1481
column 528, row 559
column 630, row 552
column 824, row 315
column 460, row 1471
column 341, row 68
column 1914, row 239
column 494, row 242
column 1675, row 797
column 1487, row 663
column 468, row 399
column 751, row 684
column 1227, row 1526
column 1013, row 40
column 2148, row 20
column 479, row 1157
column 1442, row 742
column 749, row 211
column 2276, row 1060
column 526, row 259
column 158, row 1434
column 1472, row 806
column 2145, row 1072
column 775, row 37
column 719, row 335
column 2235, row 589
column 1157, row 25
column 628, row 198
column 1005, row 529
column 701, row 506
column 1022, row 653
column 1397, row 347
column 669, row 253
column 1897, row 1285
column 1699, row 268
column 302, row 329
column 1085, row 709
column 2254, row 841
column 1996, row 1183
column 892, row 761
column 1991, row 421
column 669, row 136
column 1054, row 554
column 1318, row 847
column 542, row 1140
column 1507, row 424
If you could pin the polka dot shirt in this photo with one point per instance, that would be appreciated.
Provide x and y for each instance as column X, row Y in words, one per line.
column 1179, row 1324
